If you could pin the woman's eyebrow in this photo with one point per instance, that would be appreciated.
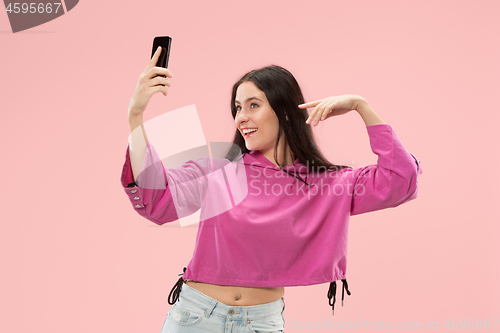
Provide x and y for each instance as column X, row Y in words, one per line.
column 248, row 99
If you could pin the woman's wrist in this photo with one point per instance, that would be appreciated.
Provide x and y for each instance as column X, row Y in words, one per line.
column 134, row 121
column 370, row 117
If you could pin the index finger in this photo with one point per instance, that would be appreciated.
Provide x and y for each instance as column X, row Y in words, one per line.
column 154, row 59
column 309, row 104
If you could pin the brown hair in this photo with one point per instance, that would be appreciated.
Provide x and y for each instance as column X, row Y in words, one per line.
column 284, row 95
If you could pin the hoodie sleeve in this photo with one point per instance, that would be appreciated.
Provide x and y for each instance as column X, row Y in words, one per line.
column 392, row 181
column 164, row 195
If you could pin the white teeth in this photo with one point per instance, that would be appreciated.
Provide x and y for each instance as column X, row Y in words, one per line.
column 245, row 131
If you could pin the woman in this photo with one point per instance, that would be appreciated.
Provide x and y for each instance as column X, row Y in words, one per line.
column 283, row 232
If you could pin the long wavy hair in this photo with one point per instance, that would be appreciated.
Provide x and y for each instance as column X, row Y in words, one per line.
column 284, row 96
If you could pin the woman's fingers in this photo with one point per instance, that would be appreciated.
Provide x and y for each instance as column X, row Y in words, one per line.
column 321, row 111
column 331, row 106
column 152, row 80
column 316, row 111
column 155, row 71
column 154, row 59
column 159, row 80
column 152, row 70
column 316, row 104
column 326, row 110
column 160, row 88
column 309, row 104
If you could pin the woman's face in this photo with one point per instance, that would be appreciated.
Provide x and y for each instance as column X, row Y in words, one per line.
column 253, row 111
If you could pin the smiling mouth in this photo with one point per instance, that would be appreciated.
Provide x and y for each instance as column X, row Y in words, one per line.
column 246, row 135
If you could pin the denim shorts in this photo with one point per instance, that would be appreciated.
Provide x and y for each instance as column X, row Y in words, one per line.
column 196, row 312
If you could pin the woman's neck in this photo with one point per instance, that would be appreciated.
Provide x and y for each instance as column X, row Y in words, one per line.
column 285, row 155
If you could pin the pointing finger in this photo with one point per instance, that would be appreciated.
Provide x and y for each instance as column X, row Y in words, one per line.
column 155, row 57
column 309, row 104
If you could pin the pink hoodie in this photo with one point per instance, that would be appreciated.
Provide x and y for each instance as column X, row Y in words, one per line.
column 282, row 231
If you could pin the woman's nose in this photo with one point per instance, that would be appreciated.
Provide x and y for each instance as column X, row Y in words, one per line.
column 241, row 117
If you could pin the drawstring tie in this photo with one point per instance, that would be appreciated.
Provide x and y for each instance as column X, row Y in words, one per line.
column 176, row 290
column 332, row 291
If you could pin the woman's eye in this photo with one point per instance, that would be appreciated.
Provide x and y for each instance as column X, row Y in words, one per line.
column 238, row 107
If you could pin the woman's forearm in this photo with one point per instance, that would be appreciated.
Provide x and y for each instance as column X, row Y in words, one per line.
column 370, row 117
column 138, row 142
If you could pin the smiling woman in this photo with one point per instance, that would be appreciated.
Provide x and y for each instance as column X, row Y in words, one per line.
column 256, row 114
column 286, row 231
column 271, row 96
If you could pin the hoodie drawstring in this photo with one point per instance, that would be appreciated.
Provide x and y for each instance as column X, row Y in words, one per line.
column 332, row 291
column 176, row 290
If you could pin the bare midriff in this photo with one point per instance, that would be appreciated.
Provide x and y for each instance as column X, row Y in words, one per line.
column 238, row 296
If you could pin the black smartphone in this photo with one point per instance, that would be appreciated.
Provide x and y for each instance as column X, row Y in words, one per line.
column 164, row 42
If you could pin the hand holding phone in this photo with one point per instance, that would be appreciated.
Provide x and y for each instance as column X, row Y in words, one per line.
column 147, row 85
column 164, row 42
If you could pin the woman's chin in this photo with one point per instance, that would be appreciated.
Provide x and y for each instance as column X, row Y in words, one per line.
column 250, row 146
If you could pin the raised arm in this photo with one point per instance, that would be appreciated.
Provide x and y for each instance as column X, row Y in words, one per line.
column 148, row 84
column 138, row 142
column 338, row 105
column 390, row 182
column 370, row 117
column 153, row 200
column 164, row 195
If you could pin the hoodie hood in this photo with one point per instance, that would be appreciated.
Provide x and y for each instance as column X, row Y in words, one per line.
column 256, row 158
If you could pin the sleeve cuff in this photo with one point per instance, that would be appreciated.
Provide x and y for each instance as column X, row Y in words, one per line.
column 133, row 184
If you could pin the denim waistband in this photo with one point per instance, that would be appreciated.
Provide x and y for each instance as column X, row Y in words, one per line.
column 211, row 306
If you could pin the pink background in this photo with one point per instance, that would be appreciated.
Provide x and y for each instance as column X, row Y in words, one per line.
column 74, row 254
